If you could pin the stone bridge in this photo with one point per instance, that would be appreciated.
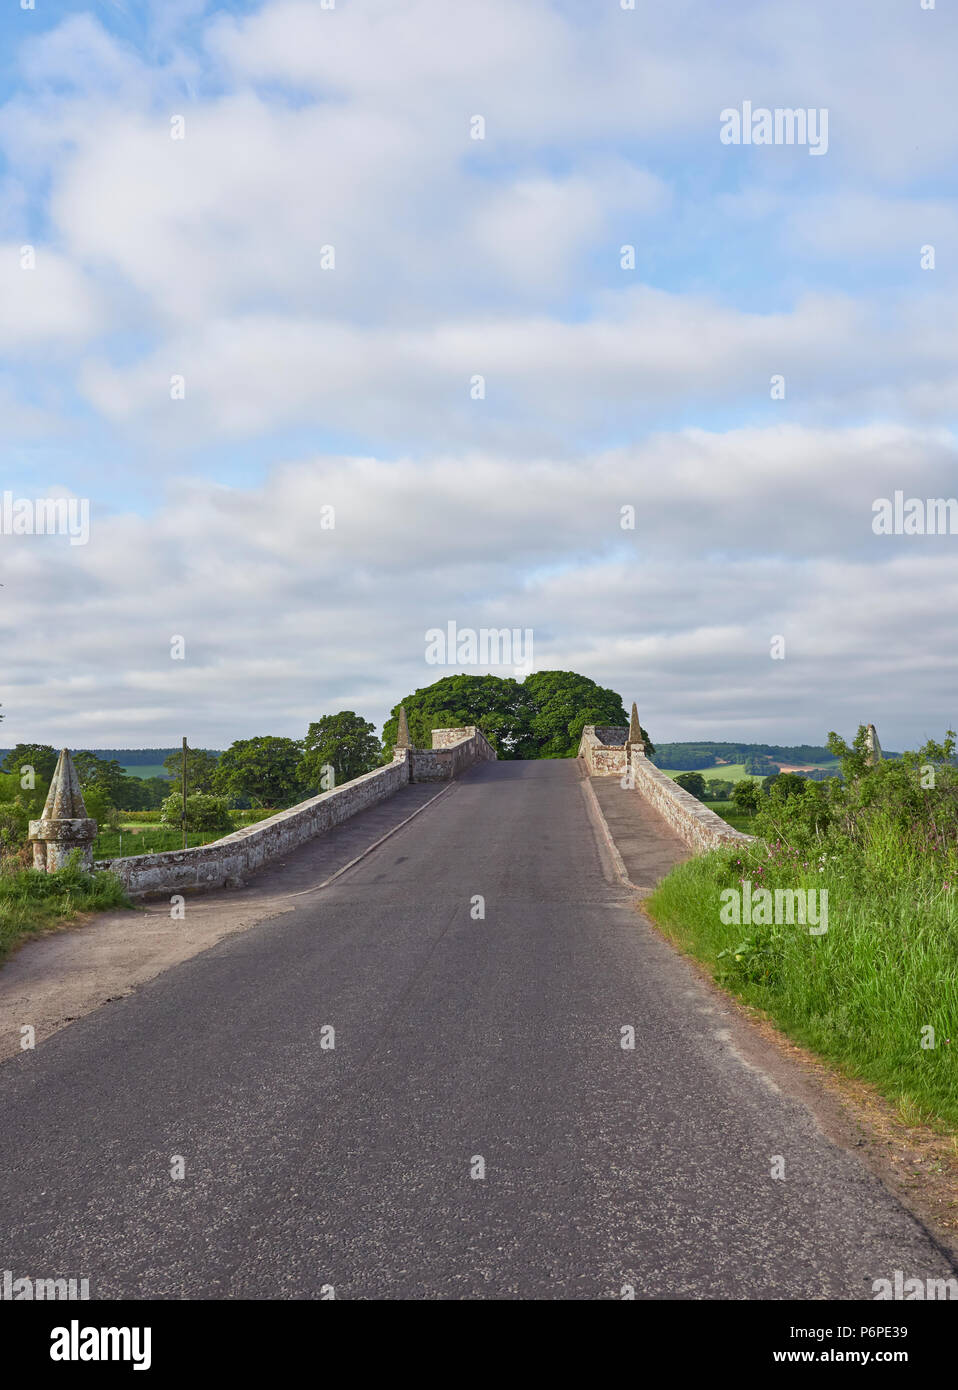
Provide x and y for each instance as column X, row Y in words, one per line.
column 433, row 1050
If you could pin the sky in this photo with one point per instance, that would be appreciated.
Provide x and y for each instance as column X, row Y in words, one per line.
column 272, row 271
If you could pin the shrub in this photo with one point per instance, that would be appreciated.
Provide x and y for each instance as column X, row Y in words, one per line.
column 14, row 818
column 203, row 812
column 100, row 808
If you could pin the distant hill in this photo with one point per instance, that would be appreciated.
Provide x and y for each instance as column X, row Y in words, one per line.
column 135, row 762
column 688, row 757
column 139, row 757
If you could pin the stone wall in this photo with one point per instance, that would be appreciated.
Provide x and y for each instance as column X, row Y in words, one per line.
column 697, row 825
column 602, row 757
column 226, row 862
column 452, row 751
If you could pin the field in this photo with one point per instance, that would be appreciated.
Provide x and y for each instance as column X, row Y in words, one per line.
column 727, row 772
column 148, row 839
column 137, row 837
column 734, row 772
column 145, row 770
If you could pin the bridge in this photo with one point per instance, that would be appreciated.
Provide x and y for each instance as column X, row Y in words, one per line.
column 435, row 1051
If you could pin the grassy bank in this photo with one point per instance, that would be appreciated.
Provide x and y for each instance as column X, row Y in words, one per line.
column 866, row 992
column 31, row 902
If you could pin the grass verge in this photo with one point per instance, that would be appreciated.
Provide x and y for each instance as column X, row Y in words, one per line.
column 32, row 902
column 862, row 995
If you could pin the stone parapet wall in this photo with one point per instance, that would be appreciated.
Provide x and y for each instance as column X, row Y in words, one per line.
column 444, row 738
column 226, row 862
column 452, row 751
column 602, row 757
column 613, row 734
column 698, row 826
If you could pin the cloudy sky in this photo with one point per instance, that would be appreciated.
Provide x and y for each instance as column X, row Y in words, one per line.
column 181, row 170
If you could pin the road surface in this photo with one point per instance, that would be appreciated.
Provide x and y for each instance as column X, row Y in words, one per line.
column 456, row 1040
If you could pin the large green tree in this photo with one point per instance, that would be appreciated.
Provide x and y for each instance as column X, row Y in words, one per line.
column 344, row 741
column 540, row 717
column 564, row 703
column 692, row 782
column 42, row 757
column 201, row 767
column 106, row 776
column 499, row 705
column 263, row 770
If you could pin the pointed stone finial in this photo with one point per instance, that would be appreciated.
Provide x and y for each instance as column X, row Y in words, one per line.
column 635, row 739
column 64, row 825
column 873, row 751
column 65, row 799
column 402, row 733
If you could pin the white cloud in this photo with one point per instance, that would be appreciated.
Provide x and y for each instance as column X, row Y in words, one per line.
column 44, row 301
column 454, row 257
column 283, row 619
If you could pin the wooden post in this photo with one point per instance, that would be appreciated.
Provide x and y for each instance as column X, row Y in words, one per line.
column 184, row 793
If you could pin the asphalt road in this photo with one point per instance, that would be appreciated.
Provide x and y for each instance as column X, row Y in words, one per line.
column 455, row 1039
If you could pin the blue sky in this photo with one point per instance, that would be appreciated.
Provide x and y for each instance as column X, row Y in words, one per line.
column 307, row 128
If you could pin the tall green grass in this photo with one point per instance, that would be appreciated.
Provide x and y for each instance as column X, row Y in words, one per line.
column 887, row 967
column 31, row 901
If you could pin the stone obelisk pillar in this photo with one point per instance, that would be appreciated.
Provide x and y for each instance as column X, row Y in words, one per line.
column 873, row 753
column 403, row 741
column 635, row 739
column 64, row 825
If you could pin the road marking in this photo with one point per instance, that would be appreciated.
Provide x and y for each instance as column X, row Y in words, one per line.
column 369, row 848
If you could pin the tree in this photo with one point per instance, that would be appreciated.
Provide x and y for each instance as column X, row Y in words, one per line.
column 783, row 785
column 692, row 782
column 42, row 757
column 718, row 790
column 201, row 767
column 540, row 717
column 100, row 772
column 155, row 791
column 746, row 796
column 564, row 702
column 497, row 704
column 14, row 819
column 760, row 765
column 265, row 770
column 99, row 806
column 343, row 741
